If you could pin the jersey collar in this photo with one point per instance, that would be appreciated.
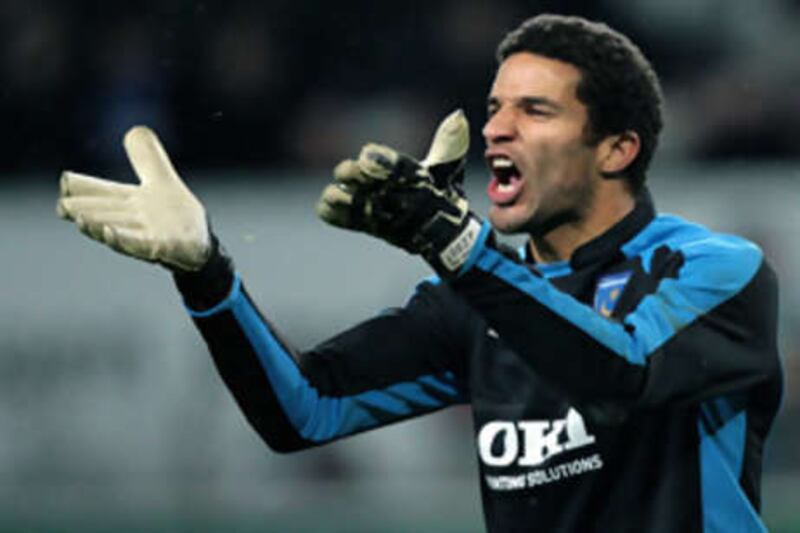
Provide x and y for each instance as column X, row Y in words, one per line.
column 610, row 242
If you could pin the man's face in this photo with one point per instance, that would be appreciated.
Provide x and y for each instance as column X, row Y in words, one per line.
column 543, row 171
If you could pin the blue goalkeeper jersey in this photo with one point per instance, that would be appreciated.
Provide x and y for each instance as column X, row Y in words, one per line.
column 630, row 388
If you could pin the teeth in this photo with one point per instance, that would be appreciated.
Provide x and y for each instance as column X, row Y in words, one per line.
column 506, row 187
column 502, row 162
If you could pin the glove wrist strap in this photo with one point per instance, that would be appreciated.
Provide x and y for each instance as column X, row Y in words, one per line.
column 450, row 247
column 205, row 288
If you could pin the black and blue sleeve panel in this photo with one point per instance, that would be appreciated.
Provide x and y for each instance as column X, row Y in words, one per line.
column 707, row 330
column 387, row 369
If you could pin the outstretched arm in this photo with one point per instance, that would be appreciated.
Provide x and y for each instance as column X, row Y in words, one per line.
column 400, row 364
column 397, row 365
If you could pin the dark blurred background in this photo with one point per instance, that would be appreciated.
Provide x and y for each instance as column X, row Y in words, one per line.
column 254, row 84
column 111, row 414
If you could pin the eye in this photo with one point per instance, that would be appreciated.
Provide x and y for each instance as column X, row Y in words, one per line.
column 536, row 111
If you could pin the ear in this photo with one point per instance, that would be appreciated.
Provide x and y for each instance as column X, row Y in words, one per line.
column 617, row 152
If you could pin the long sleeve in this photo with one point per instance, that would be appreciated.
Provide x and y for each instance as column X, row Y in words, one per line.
column 397, row 365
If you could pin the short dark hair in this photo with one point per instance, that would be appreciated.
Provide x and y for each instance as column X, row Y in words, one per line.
column 618, row 85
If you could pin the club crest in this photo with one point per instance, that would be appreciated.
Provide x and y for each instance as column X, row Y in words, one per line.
column 609, row 288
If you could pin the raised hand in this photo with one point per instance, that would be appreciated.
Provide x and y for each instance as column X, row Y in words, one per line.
column 159, row 220
column 416, row 205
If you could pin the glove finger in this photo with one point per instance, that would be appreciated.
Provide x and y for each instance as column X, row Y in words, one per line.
column 450, row 142
column 335, row 206
column 69, row 207
column 384, row 165
column 90, row 228
column 93, row 224
column 122, row 219
column 377, row 162
column 128, row 241
column 348, row 171
column 148, row 157
column 75, row 184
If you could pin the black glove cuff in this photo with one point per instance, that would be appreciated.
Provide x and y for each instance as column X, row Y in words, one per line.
column 205, row 288
column 448, row 247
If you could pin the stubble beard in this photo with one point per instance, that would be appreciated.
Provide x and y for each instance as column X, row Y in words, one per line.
column 575, row 203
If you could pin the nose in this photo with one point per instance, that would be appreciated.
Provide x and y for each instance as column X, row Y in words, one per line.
column 499, row 127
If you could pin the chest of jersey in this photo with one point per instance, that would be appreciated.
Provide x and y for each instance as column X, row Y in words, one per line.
column 528, row 432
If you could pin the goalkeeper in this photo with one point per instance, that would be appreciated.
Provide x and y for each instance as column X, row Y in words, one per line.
column 622, row 367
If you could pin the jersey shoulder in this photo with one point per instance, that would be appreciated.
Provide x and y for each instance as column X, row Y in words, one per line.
column 708, row 257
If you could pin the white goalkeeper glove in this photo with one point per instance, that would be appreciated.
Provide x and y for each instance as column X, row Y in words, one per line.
column 416, row 205
column 159, row 220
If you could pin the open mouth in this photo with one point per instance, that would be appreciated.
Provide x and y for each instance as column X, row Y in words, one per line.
column 506, row 182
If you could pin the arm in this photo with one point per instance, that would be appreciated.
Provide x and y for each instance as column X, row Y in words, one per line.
column 395, row 366
column 382, row 371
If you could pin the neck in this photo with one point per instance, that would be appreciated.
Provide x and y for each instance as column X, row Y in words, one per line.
column 609, row 206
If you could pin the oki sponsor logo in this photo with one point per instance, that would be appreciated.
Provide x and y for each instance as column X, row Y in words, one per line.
column 531, row 442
